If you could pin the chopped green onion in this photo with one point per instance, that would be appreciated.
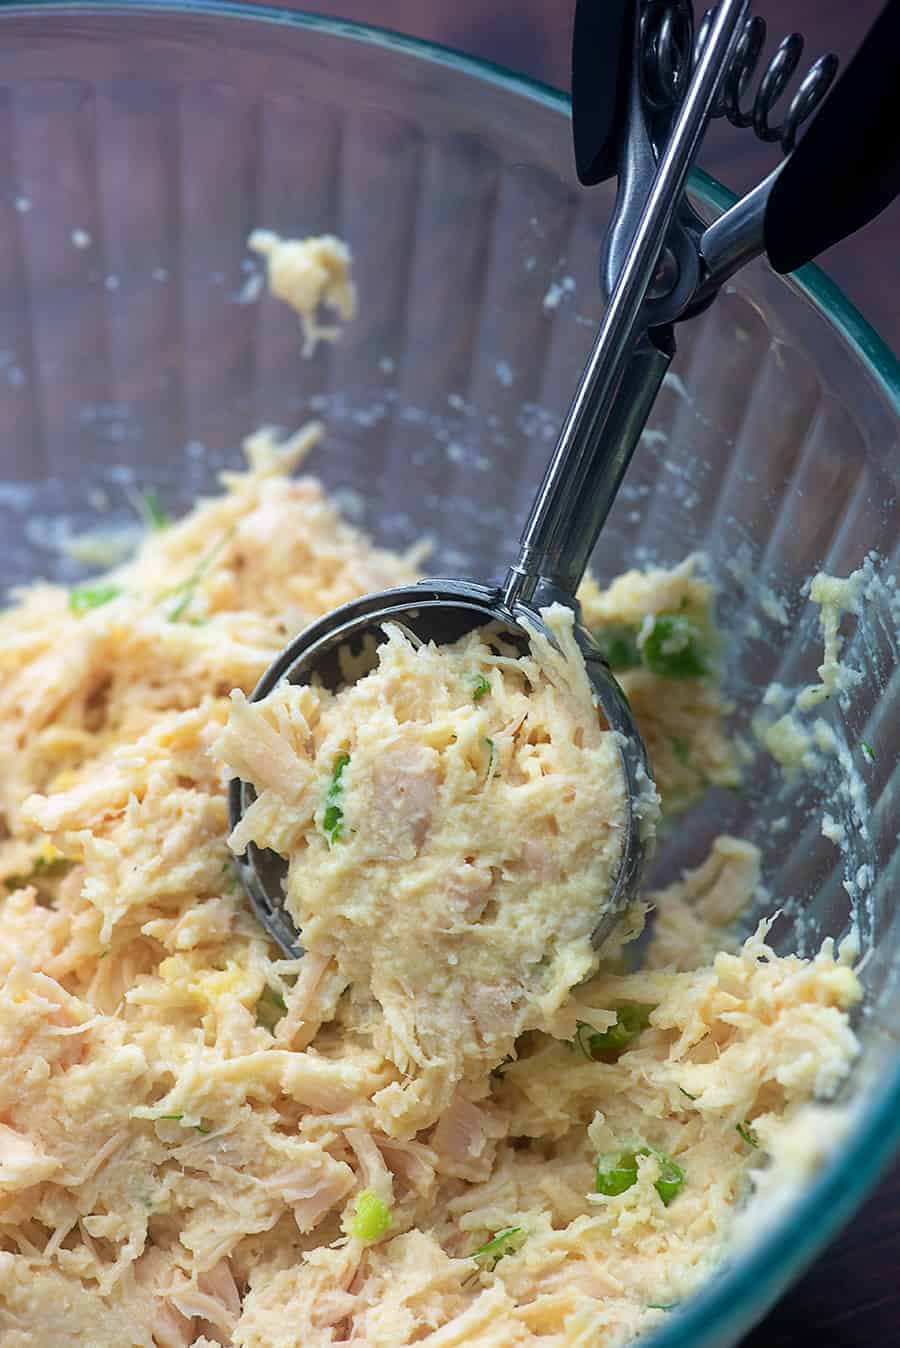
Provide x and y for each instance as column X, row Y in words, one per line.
column 85, row 597
column 45, row 865
column 177, row 1118
column 582, row 1040
column 631, row 1019
column 747, row 1133
column 618, row 1171
column 270, row 1008
column 331, row 822
column 153, row 510
column 868, row 750
column 372, row 1217
column 673, row 647
column 508, row 1241
column 42, row 866
column 681, row 749
column 481, row 688
column 184, row 593
column 333, row 817
column 182, row 602
column 671, row 1178
column 618, row 646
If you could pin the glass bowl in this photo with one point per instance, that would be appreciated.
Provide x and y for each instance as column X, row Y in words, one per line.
column 141, row 143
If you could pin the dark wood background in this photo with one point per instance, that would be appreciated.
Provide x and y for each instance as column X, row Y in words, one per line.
column 851, row 1297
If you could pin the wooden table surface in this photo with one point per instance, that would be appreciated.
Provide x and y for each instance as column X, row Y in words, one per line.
column 851, row 1297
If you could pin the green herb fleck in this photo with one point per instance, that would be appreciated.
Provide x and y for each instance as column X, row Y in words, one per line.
column 178, row 1118
column 582, row 1039
column 85, row 597
column 43, row 867
column 481, row 687
column 673, row 647
column 867, row 750
column 618, row 1171
column 681, row 749
column 231, row 877
column 618, row 646
column 270, row 1008
column 184, row 593
column 154, row 512
column 56, row 865
column 606, row 1045
column 372, row 1217
column 333, row 817
column 671, row 1178
column 508, row 1241
column 747, row 1133
column 687, row 1093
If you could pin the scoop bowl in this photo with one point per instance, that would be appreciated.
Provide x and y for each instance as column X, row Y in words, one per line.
column 439, row 611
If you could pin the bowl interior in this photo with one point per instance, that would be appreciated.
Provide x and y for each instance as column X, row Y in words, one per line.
column 142, row 144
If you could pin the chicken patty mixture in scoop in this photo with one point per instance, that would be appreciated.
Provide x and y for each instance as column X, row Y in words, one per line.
column 454, row 823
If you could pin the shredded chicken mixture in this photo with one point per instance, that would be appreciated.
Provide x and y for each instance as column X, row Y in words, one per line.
column 454, row 822
column 202, row 1143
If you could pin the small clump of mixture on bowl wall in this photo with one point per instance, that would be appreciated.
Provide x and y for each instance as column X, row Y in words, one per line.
column 204, row 1143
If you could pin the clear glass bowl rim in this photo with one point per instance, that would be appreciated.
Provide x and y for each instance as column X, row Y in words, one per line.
column 743, row 1290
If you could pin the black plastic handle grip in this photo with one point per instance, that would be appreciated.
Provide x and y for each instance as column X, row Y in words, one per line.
column 601, row 50
column 846, row 169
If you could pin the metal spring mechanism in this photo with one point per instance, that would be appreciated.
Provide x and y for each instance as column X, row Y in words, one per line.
column 670, row 51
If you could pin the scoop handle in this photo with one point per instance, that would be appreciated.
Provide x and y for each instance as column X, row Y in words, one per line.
column 846, row 168
column 600, row 50
column 598, row 434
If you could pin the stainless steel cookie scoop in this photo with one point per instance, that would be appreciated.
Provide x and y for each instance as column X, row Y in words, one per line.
column 654, row 255
column 439, row 611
